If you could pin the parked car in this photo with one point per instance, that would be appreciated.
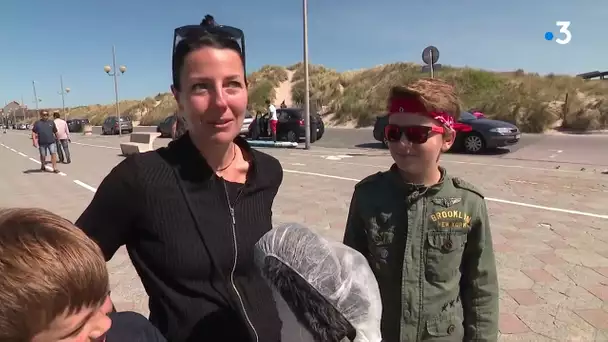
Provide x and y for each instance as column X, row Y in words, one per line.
column 165, row 128
column 474, row 133
column 110, row 125
column 77, row 125
column 246, row 123
column 291, row 126
column 485, row 134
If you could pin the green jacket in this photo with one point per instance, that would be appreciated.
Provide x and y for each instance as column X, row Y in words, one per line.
column 431, row 251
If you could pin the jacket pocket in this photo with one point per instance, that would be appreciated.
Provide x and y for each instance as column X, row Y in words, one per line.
column 444, row 327
column 444, row 254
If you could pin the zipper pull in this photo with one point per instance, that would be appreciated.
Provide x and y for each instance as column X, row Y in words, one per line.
column 232, row 215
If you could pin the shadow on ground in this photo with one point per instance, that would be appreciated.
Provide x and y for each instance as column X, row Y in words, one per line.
column 30, row 171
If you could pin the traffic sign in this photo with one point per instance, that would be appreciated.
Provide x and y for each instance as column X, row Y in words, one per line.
column 430, row 55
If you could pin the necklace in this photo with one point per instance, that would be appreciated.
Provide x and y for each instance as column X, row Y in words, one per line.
column 231, row 161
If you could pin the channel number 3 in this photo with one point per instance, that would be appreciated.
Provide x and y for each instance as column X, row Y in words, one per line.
column 563, row 28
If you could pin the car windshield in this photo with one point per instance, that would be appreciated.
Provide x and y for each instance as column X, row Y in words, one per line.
column 122, row 118
column 467, row 116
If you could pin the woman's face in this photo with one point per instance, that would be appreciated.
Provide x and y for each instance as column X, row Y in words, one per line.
column 213, row 95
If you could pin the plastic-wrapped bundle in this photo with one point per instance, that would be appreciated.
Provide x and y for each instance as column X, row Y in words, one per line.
column 327, row 286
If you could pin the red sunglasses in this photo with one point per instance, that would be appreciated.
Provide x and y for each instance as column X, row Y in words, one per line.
column 414, row 134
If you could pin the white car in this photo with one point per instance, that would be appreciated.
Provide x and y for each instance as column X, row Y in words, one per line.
column 248, row 120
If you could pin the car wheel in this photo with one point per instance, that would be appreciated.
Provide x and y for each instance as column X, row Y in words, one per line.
column 292, row 136
column 103, row 131
column 474, row 143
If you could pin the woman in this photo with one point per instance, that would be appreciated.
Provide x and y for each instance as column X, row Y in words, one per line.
column 190, row 214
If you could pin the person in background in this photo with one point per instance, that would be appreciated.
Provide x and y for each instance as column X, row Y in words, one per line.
column 44, row 138
column 272, row 120
column 190, row 213
column 283, row 105
column 54, row 285
column 425, row 233
column 63, row 138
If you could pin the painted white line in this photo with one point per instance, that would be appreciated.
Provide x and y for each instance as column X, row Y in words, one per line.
column 297, row 164
column 12, row 149
column 521, row 167
column 22, row 154
column 320, row 175
column 85, row 185
column 489, row 199
column 34, row 160
column 100, row 146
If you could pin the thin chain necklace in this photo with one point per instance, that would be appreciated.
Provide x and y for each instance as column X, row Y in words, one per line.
column 231, row 161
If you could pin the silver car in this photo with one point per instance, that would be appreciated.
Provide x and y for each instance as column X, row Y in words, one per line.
column 246, row 123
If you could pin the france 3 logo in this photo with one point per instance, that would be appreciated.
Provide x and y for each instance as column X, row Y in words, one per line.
column 564, row 30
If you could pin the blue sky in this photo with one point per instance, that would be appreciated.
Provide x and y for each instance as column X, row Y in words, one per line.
column 42, row 39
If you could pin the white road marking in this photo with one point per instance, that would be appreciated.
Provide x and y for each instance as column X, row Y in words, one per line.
column 320, row 175
column 442, row 161
column 100, row 146
column 555, row 154
column 34, row 160
column 12, row 149
column 85, row 185
column 489, row 199
column 22, row 154
column 297, row 164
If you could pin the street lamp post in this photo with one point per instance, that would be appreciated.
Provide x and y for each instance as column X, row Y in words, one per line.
column 111, row 71
column 306, row 78
column 36, row 99
column 63, row 92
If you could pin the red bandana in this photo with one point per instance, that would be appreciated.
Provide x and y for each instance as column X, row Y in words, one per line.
column 412, row 105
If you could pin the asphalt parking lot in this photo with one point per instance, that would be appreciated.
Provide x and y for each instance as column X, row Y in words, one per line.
column 548, row 211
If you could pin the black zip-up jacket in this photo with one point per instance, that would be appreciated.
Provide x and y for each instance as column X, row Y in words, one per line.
column 190, row 235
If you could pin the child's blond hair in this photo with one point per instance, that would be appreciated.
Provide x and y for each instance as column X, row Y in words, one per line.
column 436, row 95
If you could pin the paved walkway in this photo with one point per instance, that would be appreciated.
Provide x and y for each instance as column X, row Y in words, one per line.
column 549, row 225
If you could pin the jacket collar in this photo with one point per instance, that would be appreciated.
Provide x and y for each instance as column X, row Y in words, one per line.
column 396, row 178
column 184, row 155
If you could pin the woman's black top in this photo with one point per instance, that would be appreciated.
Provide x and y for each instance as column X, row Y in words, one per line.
column 190, row 236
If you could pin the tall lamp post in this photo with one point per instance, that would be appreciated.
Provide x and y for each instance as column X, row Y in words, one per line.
column 111, row 71
column 36, row 98
column 306, row 78
column 63, row 92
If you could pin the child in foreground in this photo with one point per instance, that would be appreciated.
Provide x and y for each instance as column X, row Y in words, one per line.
column 425, row 233
column 54, row 285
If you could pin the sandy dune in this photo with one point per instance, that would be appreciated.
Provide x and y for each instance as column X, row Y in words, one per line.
column 284, row 91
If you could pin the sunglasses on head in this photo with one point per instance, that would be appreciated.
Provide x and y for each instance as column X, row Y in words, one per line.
column 198, row 31
column 413, row 134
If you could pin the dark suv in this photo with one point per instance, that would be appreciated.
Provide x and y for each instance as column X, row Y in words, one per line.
column 77, row 125
column 290, row 126
column 110, row 125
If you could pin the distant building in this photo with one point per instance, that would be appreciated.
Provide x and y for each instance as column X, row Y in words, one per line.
column 14, row 111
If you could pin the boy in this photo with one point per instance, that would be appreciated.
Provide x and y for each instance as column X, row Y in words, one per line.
column 54, row 284
column 426, row 234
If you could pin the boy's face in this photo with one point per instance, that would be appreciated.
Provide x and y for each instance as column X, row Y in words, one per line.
column 86, row 325
column 417, row 158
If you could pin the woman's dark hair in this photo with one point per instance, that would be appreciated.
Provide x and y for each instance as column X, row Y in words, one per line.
column 324, row 322
column 196, row 42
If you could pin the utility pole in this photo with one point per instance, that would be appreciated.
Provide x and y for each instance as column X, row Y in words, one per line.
column 306, row 76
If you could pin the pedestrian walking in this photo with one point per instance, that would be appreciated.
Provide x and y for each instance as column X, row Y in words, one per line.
column 63, row 139
column 44, row 137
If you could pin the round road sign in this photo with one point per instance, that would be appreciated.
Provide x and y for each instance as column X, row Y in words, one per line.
column 426, row 55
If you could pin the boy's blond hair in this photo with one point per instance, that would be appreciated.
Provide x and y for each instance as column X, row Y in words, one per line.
column 436, row 95
column 48, row 267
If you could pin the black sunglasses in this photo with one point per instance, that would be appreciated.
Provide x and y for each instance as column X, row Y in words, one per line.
column 195, row 31
column 414, row 134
